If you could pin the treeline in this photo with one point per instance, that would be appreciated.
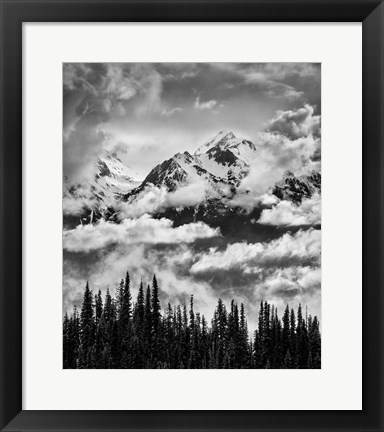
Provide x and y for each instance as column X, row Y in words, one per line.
column 117, row 333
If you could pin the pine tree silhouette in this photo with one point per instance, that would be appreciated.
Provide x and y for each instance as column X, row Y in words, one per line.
column 119, row 333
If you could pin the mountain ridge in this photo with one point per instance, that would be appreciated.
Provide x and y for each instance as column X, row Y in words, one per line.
column 219, row 165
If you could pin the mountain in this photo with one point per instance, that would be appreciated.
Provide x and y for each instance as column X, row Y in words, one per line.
column 296, row 188
column 217, row 168
column 220, row 164
column 227, row 143
column 222, row 160
column 90, row 199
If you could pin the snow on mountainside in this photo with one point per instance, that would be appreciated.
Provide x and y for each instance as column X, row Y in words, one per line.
column 112, row 172
column 200, row 187
column 89, row 199
column 224, row 159
column 227, row 142
column 221, row 164
column 220, row 139
column 111, row 166
column 296, row 188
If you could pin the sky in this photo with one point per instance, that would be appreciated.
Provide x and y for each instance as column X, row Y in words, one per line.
column 147, row 113
column 157, row 110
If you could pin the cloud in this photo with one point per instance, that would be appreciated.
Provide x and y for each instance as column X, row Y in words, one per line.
column 296, row 123
column 249, row 199
column 96, row 95
column 106, row 268
column 270, row 79
column 75, row 206
column 290, row 249
column 283, row 71
column 276, row 154
column 167, row 112
column 155, row 199
column 150, row 108
column 149, row 201
column 285, row 213
column 85, row 238
column 275, row 89
column 155, row 103
column 292, row 282
column 291, row 143
column 187, row 195
column 208, row 105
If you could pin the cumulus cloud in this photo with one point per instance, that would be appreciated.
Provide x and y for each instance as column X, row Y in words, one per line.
column 291, row 280
column 276, row 154
column 75, row 206
column 296, row 123
column 207, row 105
column 293, row 285
column 288, row 250
column 291, row 143
column 154, row 199
column 189, row 194
column 250, row 199
column 286, row 213
column 149, row 201
column 94, row 94
column 85, row 238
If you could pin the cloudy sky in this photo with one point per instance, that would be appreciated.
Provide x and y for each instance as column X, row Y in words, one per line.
column 159, row 109
column 147, row 113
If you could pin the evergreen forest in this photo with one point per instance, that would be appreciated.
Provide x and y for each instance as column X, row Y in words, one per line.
column 118, row 333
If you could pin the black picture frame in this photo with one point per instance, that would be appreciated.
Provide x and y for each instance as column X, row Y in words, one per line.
column 13, row 14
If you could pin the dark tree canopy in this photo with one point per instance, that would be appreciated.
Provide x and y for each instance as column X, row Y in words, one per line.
column 121, row 333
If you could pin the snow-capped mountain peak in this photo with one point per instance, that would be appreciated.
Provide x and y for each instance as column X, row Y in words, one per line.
column 110, row 165
column 224, row 141
column 222, row 160
column 91, row 197
column 219, row 140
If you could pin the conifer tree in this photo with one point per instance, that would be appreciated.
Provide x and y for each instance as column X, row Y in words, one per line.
column 288, row 360
column 285, row 338
column 192, row 348
column 122, row 334
column 148, row 327
column 98, row 307
column 244, row 349
column 66, row 346
column 155, row 304
column 315, row 343
column 292, row 337
column 140, row 309
column 87, row 327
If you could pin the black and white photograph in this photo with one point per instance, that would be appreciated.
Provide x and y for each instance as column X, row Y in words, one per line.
column 191, row 216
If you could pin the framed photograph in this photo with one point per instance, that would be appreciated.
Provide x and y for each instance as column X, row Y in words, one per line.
column 191, row 215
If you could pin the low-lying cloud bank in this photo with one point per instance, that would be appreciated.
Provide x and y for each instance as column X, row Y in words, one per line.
column 284, row 270
column 289, row 250
column 85, row 238
column 155, row 199
column 286, row 213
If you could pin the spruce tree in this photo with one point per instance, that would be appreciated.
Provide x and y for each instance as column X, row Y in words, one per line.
column 87, row 327
column 155, row 304
column 285, row 338
column 148, row 327
column 98, row 307
column 122, row 334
